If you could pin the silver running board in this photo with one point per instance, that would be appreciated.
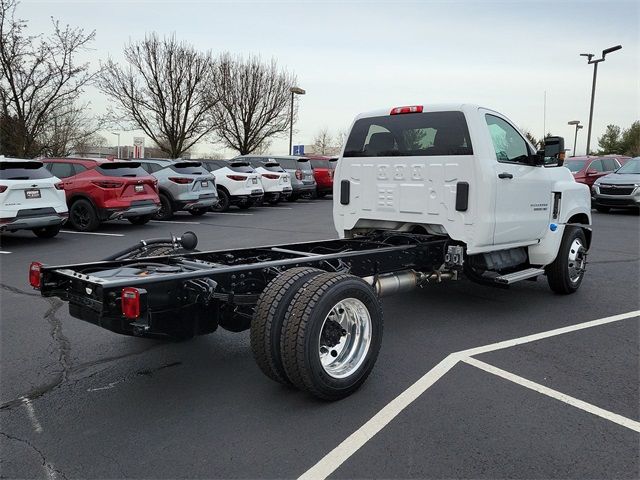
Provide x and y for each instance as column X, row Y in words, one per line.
column 517, row 276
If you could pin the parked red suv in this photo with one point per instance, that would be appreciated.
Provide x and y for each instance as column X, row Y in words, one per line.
column 588, row 169
column 98, row 190
column 323, row 174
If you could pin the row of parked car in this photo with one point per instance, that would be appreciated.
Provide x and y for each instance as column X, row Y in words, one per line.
column 614, row 180
column 42, row 195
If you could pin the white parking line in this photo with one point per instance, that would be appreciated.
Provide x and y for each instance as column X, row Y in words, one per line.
column 5, row 253
column 94, row 233
column 336, row 457
column 31, row 412
column 587, row 407
column 232, row 213
column 175, row 221
column 275, row 208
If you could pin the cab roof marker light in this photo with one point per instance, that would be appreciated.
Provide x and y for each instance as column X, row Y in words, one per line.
column 408, row 109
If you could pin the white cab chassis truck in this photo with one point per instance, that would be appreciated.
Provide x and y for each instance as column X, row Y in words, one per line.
column 422, row 194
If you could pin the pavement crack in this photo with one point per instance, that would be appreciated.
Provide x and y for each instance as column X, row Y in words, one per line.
column 60, row 340
column 52, row 472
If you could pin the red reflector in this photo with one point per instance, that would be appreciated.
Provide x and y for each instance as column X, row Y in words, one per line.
column 2, row 188
column 237, row 178
column 270, row 176
column 34, row 275
column 59, row 186
column 412, row 109
column 130, row 302
column 181, row 180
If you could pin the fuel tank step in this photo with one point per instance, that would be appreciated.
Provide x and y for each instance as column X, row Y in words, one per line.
column 517, row 276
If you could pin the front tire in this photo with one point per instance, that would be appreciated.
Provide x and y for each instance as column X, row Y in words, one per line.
column 83, row 217
column 566, row 272
column 46, row 232
column 166, row 208
column 332, row 335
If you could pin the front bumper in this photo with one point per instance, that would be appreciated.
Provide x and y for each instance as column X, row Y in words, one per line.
column 29, row 223
column 301, row 189
column 631, row 200
column 255, row 196
column 205, row 201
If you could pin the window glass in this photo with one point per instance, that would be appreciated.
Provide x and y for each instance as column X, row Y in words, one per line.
column 507, row 142
column 188, row 168
column 413, row 134
column 62, row 170
column 241, row 166
column 121, row 169
column 574, row 165
column 315, row 163
column 79, row 168
column 287, row 163
column 609, row 164
column 23, row 171
column 632, row 166
column 597, row 166
column 304, row 164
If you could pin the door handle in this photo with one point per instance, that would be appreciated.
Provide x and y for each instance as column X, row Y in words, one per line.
column 505, row 175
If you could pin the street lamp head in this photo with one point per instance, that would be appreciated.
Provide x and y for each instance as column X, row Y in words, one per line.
column 579, row 126
column 574, row 122
column 610, row 49
column 297, row 91
column 588, row 55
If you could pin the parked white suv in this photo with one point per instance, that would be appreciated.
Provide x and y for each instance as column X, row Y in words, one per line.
column 237, row 183
column 276, row 182
column 31, row 198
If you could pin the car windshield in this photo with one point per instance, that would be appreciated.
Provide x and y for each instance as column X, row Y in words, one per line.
column 574, row 165
column 23, row 171
column 631, row 167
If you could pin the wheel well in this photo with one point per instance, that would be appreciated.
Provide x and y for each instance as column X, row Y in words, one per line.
column 166, row 193
column 580, row 218
column 224, row 189
column 77, row 197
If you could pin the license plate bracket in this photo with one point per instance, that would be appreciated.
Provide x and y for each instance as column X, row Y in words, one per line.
column 32, row 193
column 204, row 183
column 139, row 188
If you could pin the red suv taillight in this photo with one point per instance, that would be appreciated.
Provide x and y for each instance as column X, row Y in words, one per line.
column 130, row 302
column 34, row 274
column 299, row 174
column 181, row 180
column 2, row 188
column 59, row 186
column 106, row 184
column 237, row 178
column 270, row 176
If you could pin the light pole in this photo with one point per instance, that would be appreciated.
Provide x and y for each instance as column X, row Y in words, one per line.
column 593, row 86
column 117, row 135
column 294, row 91
column 575, row 138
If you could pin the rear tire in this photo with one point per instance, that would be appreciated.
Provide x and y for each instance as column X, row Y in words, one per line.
column 141, row 220
column 566, row 272
column 83, row 217
column 166, row 208
column 46, row 232
column 198, row 212
column 268, row 318
column 603, row 209
column 332, row 335
column 223, row 202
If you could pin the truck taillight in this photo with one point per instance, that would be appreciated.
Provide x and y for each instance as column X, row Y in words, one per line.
column 181, row 180
column 106, row 184
column 411, row 109
column 299, row 174
column 34, row 274
column 59, row 186
column 237, row 178
column 130, row 302
column 270, row 176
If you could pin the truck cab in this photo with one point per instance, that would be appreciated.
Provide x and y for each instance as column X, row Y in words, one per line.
column 457, row 170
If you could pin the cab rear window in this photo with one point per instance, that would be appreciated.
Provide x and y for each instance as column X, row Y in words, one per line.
column 23, row 171
column 412, row 134
column 121, row 169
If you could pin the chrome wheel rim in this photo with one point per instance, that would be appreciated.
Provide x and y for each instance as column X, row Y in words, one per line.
column 345, row 338
column 577, row 260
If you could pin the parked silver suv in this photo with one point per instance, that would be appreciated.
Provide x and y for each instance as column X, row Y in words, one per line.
column 182, row 185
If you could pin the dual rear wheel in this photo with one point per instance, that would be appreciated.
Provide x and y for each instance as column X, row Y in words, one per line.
column 320, row 332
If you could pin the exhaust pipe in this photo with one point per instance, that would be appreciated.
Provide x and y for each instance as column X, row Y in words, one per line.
column 405, row 281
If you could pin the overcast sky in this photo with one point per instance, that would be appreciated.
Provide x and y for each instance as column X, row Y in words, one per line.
column 354, row 56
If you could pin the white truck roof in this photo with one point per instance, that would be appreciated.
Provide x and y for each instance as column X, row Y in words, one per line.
column 437, row 107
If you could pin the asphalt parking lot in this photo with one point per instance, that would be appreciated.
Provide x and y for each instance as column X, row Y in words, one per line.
column 81, row 402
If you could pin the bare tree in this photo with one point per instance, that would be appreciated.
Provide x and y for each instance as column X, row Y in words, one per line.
column 65, row 131
column 40, row 82
column 323, row 142
column 341, row 138
column 253, row 101
column 163, row 91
